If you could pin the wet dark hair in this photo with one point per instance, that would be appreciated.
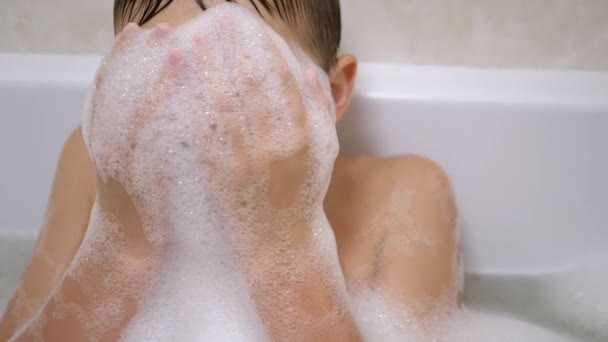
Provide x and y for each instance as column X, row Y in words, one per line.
column 317, row 24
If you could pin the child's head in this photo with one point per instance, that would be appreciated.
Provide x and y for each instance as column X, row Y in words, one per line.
column 314, row 25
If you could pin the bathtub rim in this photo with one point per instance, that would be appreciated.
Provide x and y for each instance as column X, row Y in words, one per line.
column 376, row 80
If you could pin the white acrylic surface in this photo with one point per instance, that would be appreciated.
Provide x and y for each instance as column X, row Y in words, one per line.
column 527, row 150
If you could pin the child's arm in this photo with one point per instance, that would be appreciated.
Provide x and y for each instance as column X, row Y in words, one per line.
column 66, row 220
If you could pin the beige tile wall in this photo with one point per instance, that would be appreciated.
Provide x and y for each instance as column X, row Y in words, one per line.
column 520, row 33
column 529, row 33
column 74, row 26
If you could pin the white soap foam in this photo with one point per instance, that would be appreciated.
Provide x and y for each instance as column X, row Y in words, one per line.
column 573, row 299
column 473, row 326
column 171, row 144
column 382, row 319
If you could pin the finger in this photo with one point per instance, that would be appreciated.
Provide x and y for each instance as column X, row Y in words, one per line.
column 255, row 94
column 158, row 91
column 274, row 90
column 204, row 128
column 319, row 104
column 160, row 88
column 161, row 33
column 295, row 103
column 209, row 79
column 318, row 92
column 122, row 41
column 130, row 31
column 226, row 81
column 285, row 64
column 214, row 104
column 294, row 111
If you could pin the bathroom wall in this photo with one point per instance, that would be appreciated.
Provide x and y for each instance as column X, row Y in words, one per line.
column 505, row 33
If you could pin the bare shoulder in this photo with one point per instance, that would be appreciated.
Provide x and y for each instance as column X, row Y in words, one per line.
column 404, row 188
column 406, row 204
column 374, row 178
column 409, row 169
column 419, row 219
column 401, row 176
column 417, row 188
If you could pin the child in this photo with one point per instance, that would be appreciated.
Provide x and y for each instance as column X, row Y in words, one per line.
column 394, row 220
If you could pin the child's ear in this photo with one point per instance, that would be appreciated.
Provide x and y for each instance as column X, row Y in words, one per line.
column 342, row 77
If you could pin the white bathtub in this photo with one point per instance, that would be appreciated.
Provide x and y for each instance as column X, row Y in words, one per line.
column 527, row 152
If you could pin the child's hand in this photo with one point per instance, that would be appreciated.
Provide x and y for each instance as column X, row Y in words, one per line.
column 270, row 138
column 253, row 117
